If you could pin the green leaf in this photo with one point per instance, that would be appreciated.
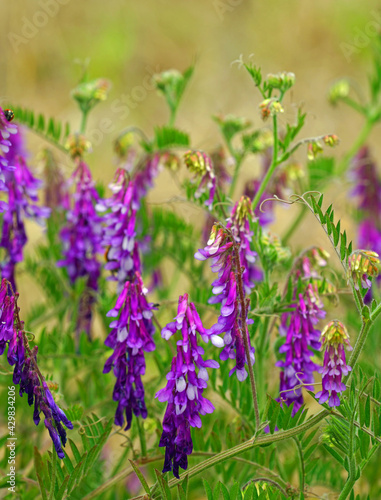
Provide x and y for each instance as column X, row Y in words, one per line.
column 75, row 451
column 167, row 137
column 62, row 489
column 163, row 485
column 334, row 453
column 367, row 412
column 140, row 477
column 208, row 490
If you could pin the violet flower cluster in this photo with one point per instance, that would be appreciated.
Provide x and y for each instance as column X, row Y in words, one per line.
column 6, row 130
column 334, row 338
column 184, row 390
column 225, row 289
column 22, row 189
column 239, row 225
column 81, row 239
column 26, row 373
column 301, row 338
column 122, row 252
column 130, row 337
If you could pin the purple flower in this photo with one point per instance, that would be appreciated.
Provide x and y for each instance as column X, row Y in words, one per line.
column 6, row 130
column 130, row 337
column 82, row 238
column 301, row 338
column 26, row 373
column 225, row 290
column 333, row 337
column 22, row 189
column 119, row 236
column 239, row 224
column 184, row 390
column 201, row 165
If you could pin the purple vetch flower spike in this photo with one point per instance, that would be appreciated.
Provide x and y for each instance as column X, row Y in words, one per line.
column 6, row 130
column 201, row 165
column 239, row 224
column 26, row 373
column 363, row 264
column 82, row 238
column 301, row 338
column 367, row 184
column 225, row 290
column 130, row 337
column 119, row 236
column 183, row 393
column 22, row 188
column 334, row 337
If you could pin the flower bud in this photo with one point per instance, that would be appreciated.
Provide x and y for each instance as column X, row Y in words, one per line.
column 313, row 149
column 88, row 94
column 77, row 145
column 334, row 333
column 331, row 140
column 338, row 91
column 282, row 81
column 361, row 265
column 270, row 107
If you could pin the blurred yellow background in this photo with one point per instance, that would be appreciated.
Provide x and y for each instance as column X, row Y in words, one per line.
column 128, row 41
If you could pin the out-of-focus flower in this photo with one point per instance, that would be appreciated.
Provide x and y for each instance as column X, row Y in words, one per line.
column 270, row 107
column 200, row 164
column 82, row 238
column 55, row 188
column 22, row 189
column 339, row 90
column 301, row 338
column 183, row 393
column 130, row 337
column 77, row 145
column 334, row 337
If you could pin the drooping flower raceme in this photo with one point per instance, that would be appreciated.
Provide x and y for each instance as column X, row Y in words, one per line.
column 26, row 373
column 130, row 337
column 200, row 164
column 334, row 338
column 301, row 338
column 82, row 238
column 225, row 288
column 183, row 393
column 22, row 189
column 122, row 252
column 239, row 224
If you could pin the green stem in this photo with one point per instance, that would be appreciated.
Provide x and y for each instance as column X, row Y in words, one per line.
column 360, row 342
column 375, row 313
column 247, row 445
column 362, row 137
column 244, row 333
column 272, row 167
column 352, row 460
column 85, row 114
column 142, row 438
column 295, row 224
column 302, row 469
column 238, row 163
